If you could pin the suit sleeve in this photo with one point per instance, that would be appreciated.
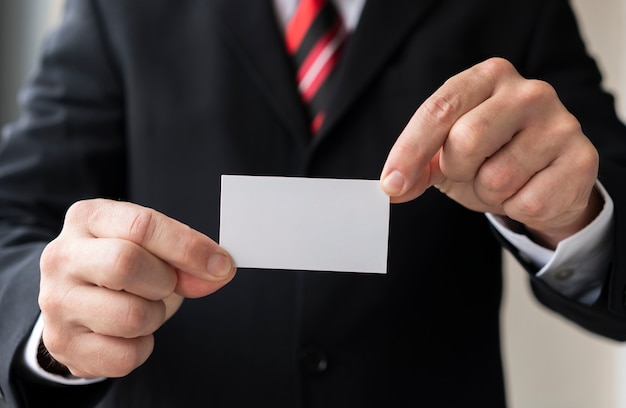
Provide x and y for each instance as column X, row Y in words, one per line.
column 557, row 55
column 66, row 146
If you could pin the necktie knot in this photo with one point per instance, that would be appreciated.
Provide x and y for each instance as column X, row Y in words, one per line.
column 315, row 37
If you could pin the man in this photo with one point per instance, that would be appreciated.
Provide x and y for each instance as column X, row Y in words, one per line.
column 139, row 107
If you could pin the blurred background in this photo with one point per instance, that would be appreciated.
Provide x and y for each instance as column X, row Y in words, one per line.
column 549, row 362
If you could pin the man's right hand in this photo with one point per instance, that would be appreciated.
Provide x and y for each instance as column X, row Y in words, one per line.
column 113, row 276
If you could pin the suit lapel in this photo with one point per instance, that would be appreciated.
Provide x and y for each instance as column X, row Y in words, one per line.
column 384, row 24
column 251, row 28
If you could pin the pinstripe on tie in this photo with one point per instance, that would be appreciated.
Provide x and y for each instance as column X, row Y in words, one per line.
column 315, row 36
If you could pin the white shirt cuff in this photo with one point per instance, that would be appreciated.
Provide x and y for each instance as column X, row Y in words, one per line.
column 578, row 265
column 30, row 356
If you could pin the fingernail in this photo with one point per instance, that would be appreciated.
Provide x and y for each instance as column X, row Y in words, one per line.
column 393, row 184
column 219, row 265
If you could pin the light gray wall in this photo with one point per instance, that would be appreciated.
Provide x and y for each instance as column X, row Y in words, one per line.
column 22, row 26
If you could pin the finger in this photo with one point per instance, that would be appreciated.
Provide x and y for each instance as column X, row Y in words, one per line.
column 548, row 203
column 117, row 314
column 191, row 287
column 479, row 134
column 118, row 265
column 507, row 171
column 189, row 251
column 408, row 166
column 543, row 131
column 91, row 355
column 172, row 304
column 431, row 175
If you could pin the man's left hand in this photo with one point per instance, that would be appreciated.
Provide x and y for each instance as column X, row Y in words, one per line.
column 496, row 142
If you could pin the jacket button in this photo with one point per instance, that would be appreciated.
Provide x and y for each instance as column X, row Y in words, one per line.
column 564, row 274
column 314, row 360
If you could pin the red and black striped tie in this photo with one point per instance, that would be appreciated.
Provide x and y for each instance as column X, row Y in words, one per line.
column 315, row 36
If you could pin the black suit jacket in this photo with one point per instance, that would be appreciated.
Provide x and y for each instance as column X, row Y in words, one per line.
column 151, row 101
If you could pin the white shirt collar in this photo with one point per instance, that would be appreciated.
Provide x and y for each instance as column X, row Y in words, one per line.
column 350, row 11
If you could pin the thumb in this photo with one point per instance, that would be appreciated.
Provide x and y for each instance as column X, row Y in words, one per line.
column 191, row 286
column 405, row 187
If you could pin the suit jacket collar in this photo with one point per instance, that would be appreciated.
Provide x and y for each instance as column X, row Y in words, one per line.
column 384, row 24
column 251, row 28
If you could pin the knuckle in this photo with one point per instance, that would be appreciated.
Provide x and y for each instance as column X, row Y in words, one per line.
column 126, row 363
column 531, row 207
column 497, row 67
column 48, row 300
column 134, row 316
column 138, row 318
column 494, row 178
column 494, row 184
column 52, row 294
column 564, row 132
column 85, row 214
column 94, row 355
column 80, row 210
column 536, row 92
column 465, row 137
column 58, row 342
column 588, row 160
column 130, row 357
column 54, row 340
column 584, row 156
column 186, row 245
column 57, row 303
column 442, row 109
column 113, row 358
column 51, row 257
column 125, row 259
column 571, row 126
column 142, row 226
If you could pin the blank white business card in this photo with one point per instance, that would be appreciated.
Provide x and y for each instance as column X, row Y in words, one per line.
column 305, row 223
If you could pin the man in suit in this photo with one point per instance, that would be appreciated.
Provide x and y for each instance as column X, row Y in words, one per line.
column 139, row 107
